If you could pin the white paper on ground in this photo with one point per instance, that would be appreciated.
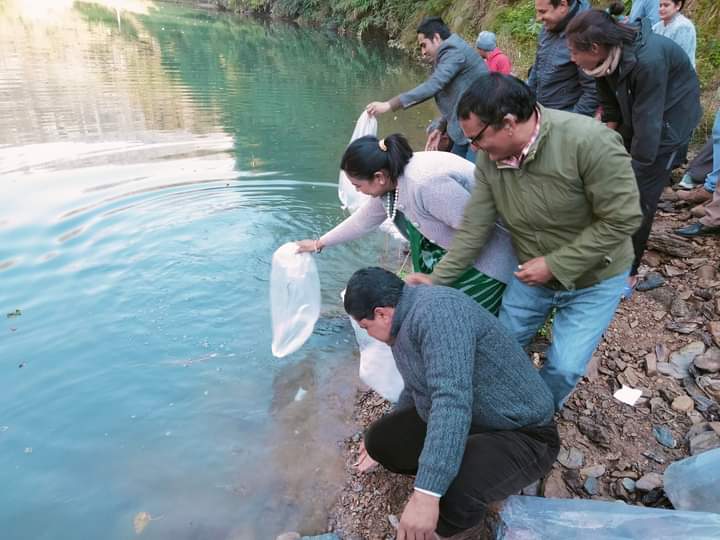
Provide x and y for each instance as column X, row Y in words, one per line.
column 628, row 395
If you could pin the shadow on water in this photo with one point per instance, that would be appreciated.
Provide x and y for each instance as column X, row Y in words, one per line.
column 151, row 161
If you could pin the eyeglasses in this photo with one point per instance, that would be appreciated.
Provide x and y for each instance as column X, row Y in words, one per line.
column 477, row 137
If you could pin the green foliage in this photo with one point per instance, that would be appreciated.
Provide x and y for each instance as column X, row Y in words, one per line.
column 518, row 21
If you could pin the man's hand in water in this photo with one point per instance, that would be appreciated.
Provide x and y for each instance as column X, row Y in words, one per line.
column 418, row 279
column 364, row 462
column 420, row 517
column 377, row 108
column 433, row 140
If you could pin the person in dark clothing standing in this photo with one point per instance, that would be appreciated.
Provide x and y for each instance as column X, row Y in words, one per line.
column 557, row 82
column 474, row 422
column 649, row 92
column 456, row 66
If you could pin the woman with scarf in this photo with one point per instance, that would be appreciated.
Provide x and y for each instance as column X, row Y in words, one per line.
column 649, row 92
column 424, row 194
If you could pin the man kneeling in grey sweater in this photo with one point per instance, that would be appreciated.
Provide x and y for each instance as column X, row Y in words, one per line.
column 474, row 422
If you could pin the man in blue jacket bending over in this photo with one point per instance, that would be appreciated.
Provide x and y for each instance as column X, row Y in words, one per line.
column 474, row 422
column 456, row 66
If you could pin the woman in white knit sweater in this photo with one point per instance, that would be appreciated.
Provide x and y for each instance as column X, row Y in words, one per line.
column 425, row 194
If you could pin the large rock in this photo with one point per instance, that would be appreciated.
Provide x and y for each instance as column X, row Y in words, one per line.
column 683, row 404
column 572, row 458
column 554, row 486
column 703, row 442
column 649, row 481
column 679, row 364
column 709, row 360
column 714, row 329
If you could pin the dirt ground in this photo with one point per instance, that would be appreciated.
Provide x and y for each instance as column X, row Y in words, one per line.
column 609, row 448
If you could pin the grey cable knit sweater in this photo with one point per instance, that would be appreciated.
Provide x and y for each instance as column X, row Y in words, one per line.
column 461, row 368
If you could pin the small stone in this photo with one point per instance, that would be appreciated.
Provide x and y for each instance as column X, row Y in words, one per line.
column 554, row 487
column 289, row 536
column 652, row 259
column 682, row 326
column 670, row 370
column 714, row 329
column 659, row 315
column 651, row 364
column 625, row 474
column 683, row 357
column 683, row 404
column 628, row 484
column 715, row 426
column 649, row 481
column 673, row 271
column 394, row 521
column 706, row 271
column 630, row 378
column 591, row 486
column 664, row 437
column 703, row 442
column 595, row 471
column 571, row 458
column 652, row 455
column 697, row 429
column 709, row 360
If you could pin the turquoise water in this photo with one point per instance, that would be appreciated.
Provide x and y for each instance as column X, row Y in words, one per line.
column 151, row 160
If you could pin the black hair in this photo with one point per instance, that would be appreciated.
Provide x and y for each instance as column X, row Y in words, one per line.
column 494, row 95
column 371, row 288
column 616, row 9
column 556, row 3
column 597, row 26
column 364, row 157
column 681, row 2
column 433, row 25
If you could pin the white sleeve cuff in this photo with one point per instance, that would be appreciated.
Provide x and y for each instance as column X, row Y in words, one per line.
column 426, row 492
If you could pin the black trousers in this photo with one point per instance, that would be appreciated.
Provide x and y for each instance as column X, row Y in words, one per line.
column 496, row 464
column 651, row 180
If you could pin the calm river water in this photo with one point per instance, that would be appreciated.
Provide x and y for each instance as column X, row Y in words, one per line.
column 151, row 160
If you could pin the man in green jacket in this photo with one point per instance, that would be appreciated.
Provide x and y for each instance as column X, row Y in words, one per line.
column 564, row 186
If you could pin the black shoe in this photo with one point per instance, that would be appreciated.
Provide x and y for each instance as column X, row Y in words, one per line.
column 697, row 229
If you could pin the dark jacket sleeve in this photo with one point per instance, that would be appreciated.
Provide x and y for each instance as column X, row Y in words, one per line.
column 611, row 108
column 649, row 87
column 449, row 64
column 588, row 102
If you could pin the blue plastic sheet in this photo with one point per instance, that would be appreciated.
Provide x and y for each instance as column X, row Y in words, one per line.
column 536, row 518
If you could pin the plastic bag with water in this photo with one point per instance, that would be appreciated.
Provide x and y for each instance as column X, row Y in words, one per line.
column 350, row 198
column 294, row 298
column 377, row 365
column 694, row 483
column 537, row 518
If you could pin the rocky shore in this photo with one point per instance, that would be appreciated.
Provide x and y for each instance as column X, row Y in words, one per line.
column 664, row 342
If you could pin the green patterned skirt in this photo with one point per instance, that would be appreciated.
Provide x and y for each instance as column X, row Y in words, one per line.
column 485, row 290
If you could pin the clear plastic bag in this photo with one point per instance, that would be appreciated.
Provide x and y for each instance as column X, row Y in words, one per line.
column 350, row 198
column 536, row 518
column 377, row 365
column 694, row 483
column 294, row 298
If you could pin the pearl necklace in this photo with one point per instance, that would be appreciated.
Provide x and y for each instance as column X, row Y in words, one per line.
column 391, row 216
